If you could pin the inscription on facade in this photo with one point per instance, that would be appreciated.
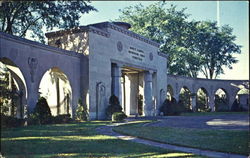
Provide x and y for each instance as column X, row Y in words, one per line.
column 136, row 54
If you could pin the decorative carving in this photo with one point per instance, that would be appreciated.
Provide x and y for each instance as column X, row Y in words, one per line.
column 119, row 46
column 101, row 96
column 33, row 65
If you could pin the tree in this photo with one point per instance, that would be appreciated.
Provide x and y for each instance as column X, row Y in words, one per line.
column 169, row 27
column 216, row 47
column 19, row 17
column 192, row 46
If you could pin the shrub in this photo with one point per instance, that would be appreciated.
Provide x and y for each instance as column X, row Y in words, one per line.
column 10, row 121
column 118, row 116
column 169, row 108
column 64, row 118
column 81, row 111
column 235, row 106
column 42, row 111
column 114, row 106
column 33, row 119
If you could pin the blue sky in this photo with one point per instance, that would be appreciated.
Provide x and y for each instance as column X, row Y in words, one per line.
column 233, row 13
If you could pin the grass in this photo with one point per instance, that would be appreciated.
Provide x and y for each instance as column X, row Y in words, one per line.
column 230, row 141
column 210, row 113
column 73, row 140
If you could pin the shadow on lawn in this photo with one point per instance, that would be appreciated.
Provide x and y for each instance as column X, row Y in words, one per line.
column 72, row 140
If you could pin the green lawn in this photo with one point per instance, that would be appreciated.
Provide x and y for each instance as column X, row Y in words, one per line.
column 73, row 140
column 231, row 141
column 211, row 113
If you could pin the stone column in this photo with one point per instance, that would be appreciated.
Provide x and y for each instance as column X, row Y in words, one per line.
column 176, row 96
column 211, row 103
column 193, row 103
column 148, row 93
column 32, row 97
column 116, row 81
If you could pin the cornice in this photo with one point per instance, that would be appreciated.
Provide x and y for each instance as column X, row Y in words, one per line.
column 132, row 34
column 38, row 45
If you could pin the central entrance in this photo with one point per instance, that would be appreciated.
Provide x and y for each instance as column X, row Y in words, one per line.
column 132, row 91
column 134, row 88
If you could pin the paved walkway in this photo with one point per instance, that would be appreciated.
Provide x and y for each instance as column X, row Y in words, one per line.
column 224, row 121
column 107, row 130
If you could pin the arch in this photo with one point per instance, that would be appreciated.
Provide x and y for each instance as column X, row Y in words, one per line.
column 11, row 73
column 241, row 102
column 185, row 98
column 170, row 92
column 221, row 100
column 56, row 88
column 202, row 100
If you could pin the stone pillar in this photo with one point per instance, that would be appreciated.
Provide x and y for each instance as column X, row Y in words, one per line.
column 231, row 99
column 176, row 96
column 116, row 81
column 193, row 102
column 32, row 97
column 211, row 103
column 148, row 93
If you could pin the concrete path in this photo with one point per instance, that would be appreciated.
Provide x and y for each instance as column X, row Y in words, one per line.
column 107, row 130
column 226, row 121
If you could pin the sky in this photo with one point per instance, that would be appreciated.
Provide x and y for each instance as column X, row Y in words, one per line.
column 232, row 13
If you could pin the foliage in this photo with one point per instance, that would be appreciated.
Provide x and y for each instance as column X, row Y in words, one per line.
column 237, row 107
column 216, row 46
column 8, row 95
column 170, row 108
column 42, row 111
column 82, row 111
column 114, row 106
column 19, row 17
column 192, row 46
column 10, row 121
column 118, row 116
column 64, row 118
column 202, row 101
column 33, row 119
column 221, row 104
column 185, row 99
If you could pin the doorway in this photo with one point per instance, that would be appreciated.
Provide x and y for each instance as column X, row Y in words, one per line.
column 132, row 91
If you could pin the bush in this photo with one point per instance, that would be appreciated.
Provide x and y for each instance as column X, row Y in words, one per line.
column 169, row 108
column 42, row 111
column 33, row 119
column 10, row 121
column 64, row 118
column 118, row 116
column 114, row 106
column 81, row 111
column 235, row 106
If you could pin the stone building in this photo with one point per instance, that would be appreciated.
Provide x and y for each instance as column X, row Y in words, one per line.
column 116, row 61
column 98, row 60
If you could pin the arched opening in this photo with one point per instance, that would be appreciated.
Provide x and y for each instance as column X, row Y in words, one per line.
column 185, row 99
column 170, row 92
column 13, row 98
column 55, row 87
column 202, row 100
column 241, row 102
column 221, row 100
